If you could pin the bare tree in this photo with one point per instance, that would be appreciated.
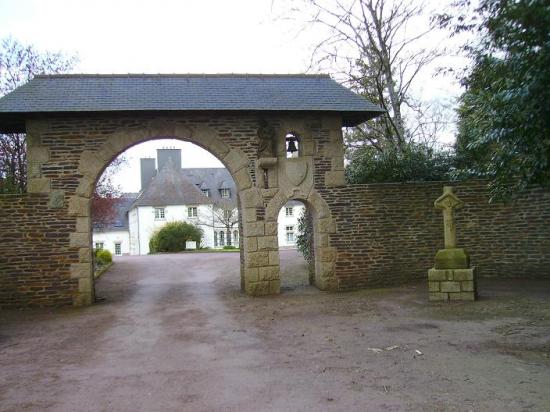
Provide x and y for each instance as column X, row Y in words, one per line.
column 18, row 64
column 374, row 45
column 226, row 215
column 107, row 195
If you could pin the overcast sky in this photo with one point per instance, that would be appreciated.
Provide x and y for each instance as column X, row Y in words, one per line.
column 174, row 36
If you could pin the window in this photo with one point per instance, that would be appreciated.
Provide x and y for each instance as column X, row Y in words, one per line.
column 118, row 249
column 289, row 234
column 99, row 246
column 222, row 239
column 235, row 237
column 225, row 193
column 215, row 238
column 205, row 192
column 192, row 211
column 289, row 211
column 227, row 214
column 159, row 213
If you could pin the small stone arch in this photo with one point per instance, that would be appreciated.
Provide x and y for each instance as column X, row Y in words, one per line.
column 323, row 227
column 92, row 163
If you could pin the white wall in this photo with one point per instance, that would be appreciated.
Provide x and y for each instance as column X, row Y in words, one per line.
column 109, row 238
column 283, row 221
column 143, row 224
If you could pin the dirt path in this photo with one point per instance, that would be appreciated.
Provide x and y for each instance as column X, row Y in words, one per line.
column 174, row 333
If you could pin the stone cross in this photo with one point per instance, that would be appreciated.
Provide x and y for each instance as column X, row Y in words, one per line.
column 448, row 202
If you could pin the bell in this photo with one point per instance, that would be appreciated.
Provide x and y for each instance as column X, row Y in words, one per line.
column 291, row 145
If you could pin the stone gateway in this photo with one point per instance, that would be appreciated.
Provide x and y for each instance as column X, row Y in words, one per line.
column 364, row 235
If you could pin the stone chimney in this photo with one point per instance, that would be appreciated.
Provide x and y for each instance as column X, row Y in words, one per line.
column 164, row 154
column 147, row 170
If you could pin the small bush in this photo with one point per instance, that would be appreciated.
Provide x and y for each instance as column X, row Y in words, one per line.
column 103, row 257
column 172, row 237
column 230, row 247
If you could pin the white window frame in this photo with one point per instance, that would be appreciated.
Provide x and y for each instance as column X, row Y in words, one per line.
column 206, row 192
column 119, row 245
column 222, row 238
column 225, row 193
column 290, row 238
column 289, row 211
column 192, row 211
column 160, row 213
column 99, row 245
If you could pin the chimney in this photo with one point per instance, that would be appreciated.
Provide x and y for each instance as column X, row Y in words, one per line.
column 164, row 154
column 147, row 169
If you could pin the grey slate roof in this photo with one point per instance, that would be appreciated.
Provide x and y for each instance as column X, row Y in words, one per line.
column 170, row 187
column 145, row 92
column 212, row 178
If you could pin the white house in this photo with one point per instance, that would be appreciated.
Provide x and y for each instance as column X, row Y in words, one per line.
column 205, row 197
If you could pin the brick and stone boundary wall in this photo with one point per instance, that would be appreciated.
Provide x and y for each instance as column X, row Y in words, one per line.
column 389, row 233
column 35, row 253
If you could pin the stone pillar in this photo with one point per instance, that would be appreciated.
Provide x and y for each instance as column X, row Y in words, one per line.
column 451, row 278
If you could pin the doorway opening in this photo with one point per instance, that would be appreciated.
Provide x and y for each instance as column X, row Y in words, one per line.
column 295, row 237
column 159, row 203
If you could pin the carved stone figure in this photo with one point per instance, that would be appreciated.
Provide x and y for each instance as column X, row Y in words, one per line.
column 266, row 140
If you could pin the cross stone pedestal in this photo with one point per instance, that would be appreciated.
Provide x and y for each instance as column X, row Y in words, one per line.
column 451, row 278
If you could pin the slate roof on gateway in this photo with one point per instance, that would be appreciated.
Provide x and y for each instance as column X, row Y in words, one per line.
column 187, row 92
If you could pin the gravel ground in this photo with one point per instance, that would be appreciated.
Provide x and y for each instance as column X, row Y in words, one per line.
column 174, row 333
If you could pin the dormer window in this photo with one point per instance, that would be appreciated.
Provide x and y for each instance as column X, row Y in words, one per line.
column 225, row 193
column 292, row 145
column 206, row 192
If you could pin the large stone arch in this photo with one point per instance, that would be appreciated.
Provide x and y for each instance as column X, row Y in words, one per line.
column 92, row 163
column 323, row 226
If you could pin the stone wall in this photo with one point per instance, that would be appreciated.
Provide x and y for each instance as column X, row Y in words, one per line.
column 389, row 233
column 35, row 253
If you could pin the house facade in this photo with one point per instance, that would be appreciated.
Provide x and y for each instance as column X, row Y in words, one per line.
column 205, row 197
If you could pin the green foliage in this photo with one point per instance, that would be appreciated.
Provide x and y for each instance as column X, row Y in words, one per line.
column 416, row 162
column 172, row 237
column 230, row 247
column 103, row 257
column 304, row 238
column 504, row 116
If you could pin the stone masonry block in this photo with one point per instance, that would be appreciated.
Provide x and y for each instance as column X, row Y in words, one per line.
column 250, row 244
column 450, row 286
column 39, row 185
column 84, row 255
column 328, row 254
column 249, row 214
column 469, row 296
column 254, row 229
column 82, row 299
column 81, row 270
column 274, row 257
column 261, row 288
column 437, row 275
column 34, row 169
column 251, row 198
column 267, row 243
column 256, row 259
column 463, row 274
column 242, row 179
column 83, row 224
column 434, row 286
column 335, row 178
column 438, row 296
column 271, row 228
column 84, row 285
column 79, row 206
column 274, row 286
column 38, row 154
column 455, row 296
column 79, row 239
column 56, row 199
column 91, row 163
column 251, row 275
column 269, row 273
column 235, row 160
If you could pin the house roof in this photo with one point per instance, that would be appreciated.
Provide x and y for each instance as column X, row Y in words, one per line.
column 86, row 93
column 121, row 220
column 171, row 187
column 213, row 179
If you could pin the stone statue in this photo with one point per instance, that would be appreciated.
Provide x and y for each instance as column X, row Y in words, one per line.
column 451, row 278
column 266, row 140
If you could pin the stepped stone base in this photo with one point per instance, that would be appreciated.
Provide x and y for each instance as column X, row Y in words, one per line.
column 452, row 284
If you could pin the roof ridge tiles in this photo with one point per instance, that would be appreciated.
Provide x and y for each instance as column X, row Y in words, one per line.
column 182, row 75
